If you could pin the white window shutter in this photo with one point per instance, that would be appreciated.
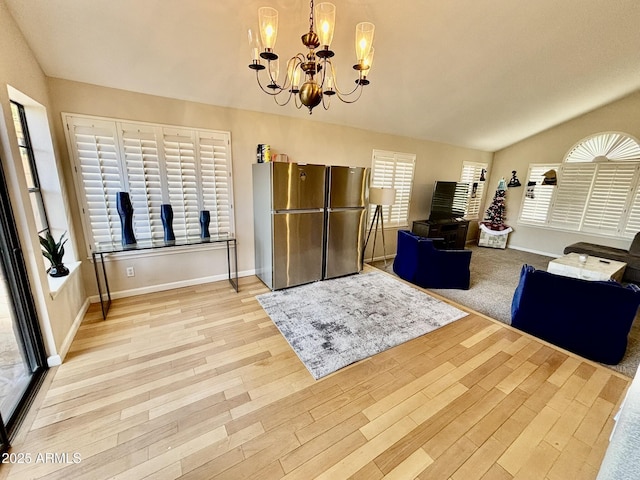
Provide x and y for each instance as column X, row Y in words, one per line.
column 97, row 156
column 182, row 181
column 537, row 199
column 215, row 169
column 394, row 170
column 610, row 194
column 574, row 185
column 471, row 172
column 189, row 169
column 140, row 152
column 632, row 225
column 403, row 181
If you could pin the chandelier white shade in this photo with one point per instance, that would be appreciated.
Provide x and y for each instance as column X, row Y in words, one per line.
column 310, row 76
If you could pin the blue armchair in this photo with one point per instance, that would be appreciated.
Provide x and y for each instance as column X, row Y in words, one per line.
column 589, row 318
column 419, row 261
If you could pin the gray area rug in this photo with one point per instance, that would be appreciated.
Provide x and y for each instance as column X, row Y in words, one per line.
column 334, row 323
column 494, row 277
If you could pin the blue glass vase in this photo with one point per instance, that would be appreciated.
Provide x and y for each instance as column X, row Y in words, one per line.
column 205, row 218
column 166, row 214
column 125, row 210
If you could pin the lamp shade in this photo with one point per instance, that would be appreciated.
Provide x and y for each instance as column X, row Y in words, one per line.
column 382, row 196
column 325, row 22
column 268, row 20
column 364, row 39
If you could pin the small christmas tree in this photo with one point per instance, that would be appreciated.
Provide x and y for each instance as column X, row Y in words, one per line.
column 495, row 214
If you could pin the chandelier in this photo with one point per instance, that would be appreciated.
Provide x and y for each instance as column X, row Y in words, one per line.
column 314, row 68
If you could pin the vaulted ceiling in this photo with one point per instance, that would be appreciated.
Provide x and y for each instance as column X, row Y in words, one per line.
column 476, row 73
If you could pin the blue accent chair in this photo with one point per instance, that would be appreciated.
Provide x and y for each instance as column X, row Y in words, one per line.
column 592, row 319
column 420, row 262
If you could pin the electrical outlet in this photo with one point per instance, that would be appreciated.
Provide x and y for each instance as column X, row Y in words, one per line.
column 131, row 272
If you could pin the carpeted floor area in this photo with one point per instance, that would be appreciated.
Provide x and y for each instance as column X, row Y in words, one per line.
column 494, row 278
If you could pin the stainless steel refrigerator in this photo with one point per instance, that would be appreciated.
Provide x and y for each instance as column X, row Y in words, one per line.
column 289, row 209
column 345, row 220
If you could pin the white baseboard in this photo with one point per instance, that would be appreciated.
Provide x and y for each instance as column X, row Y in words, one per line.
column 546, row 254
column 55, row 360
column 170, row 286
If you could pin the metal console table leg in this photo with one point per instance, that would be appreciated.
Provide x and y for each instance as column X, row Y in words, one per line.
column 104, row 305
column 233, row 283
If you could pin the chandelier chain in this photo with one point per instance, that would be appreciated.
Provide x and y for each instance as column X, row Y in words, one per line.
column 311, row 17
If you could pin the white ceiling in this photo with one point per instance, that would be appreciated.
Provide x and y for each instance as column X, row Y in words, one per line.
column 475, row 73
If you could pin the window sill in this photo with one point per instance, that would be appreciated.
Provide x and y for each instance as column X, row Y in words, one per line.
column 520, row 223
column 57, row 284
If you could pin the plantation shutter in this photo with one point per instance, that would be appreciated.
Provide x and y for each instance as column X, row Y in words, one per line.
column 403, row 180
column 574, row 184
column 215, row 174
column 97, row 164
column 611, row 191
column 186, row 168
column 394, row 170
column 140, row 152
column 471, row 173
column 633, row 219
column 182, row 184
column 537, row 198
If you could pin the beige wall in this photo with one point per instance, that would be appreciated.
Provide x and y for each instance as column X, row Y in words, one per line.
column 306, row 141
column 19, row 69
column 551, row 146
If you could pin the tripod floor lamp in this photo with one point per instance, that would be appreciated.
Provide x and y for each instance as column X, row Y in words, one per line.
column 379, row 197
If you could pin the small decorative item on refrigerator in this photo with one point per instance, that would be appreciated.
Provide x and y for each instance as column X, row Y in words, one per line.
column 263, row 153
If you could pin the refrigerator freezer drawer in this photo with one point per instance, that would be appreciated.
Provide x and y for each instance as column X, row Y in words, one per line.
column 297, row 248
column 345, row 231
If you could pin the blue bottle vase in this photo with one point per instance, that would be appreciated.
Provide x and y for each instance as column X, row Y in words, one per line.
column 205, row 218
column 125, row 210
column 166, row 214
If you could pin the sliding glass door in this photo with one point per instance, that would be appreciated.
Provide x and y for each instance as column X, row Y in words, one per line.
column 22, row 358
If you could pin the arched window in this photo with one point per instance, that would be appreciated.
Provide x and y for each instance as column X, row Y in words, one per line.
column 597, row 189
column 603, row 147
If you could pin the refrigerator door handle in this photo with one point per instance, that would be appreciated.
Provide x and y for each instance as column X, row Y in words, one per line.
column 308, row 210
column 344, row 209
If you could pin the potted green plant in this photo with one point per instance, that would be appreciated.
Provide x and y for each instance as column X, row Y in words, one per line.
column 54, row 251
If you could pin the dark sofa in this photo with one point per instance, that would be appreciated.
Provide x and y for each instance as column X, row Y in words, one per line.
column 419, row 261
column 592, row 319
column 631, row 257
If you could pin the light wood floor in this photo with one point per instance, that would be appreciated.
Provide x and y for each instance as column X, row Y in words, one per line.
column 198, row 383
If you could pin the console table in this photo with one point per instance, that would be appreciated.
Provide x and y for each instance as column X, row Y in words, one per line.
column 453, row 231
column 102, row 249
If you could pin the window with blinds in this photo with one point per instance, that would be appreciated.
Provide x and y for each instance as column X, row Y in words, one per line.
column 190, row 169
column 471, row 174
column 570, row 201
column 537, row 197
column 610, row 194
column 598, row 188
column 394, row 170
